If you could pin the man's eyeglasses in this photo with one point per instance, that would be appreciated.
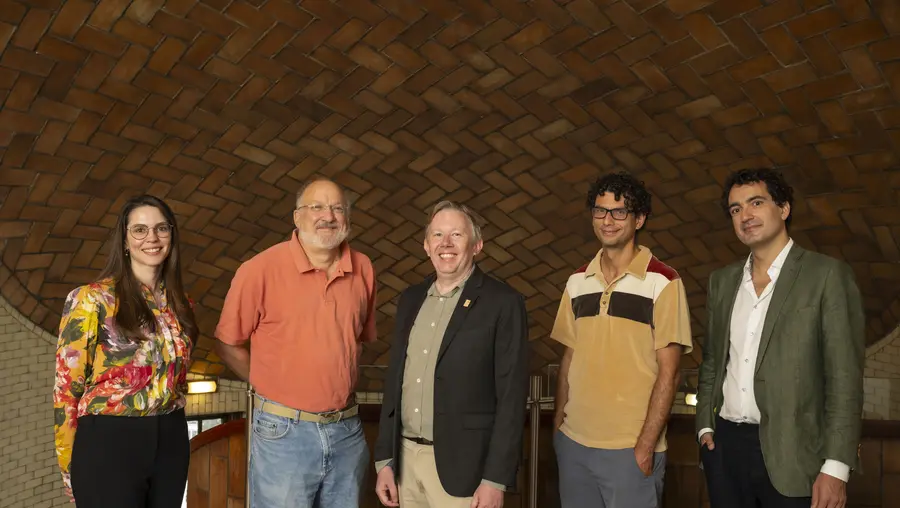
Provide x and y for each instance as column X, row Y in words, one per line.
column 617, row 213
column 140, row 231
column 317, row 208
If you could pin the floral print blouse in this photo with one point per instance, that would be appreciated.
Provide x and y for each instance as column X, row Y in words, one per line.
column 98, row 371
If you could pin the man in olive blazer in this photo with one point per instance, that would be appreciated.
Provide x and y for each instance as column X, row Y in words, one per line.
column 779, row 404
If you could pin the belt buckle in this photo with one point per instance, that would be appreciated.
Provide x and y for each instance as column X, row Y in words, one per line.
column 331, row 416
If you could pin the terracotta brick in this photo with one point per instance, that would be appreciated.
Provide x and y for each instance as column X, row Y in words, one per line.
column 704, row 30
column 687, row 6
column 822, row 55
column 743, row 37
column 885, row 50
column 664, row 22
column 815, row 23
column 790, row 77
column 623, row 16
column 589, row 14
column 71, row 17
column 603, row 44
column 687, row 80
column 31, row 29
column 11, row 12
column 834, row 117
column 699, row 108
column 675, row 54
column 830, row 87
column 783, row 46
column 856, row 34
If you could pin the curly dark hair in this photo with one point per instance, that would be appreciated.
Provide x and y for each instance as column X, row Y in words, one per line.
column 637, row 199
column 776, row 186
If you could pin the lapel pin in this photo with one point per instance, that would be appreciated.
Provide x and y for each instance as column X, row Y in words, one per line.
column 466, row 303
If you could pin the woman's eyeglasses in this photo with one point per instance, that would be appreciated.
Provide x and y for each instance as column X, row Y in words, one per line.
column 140, row 231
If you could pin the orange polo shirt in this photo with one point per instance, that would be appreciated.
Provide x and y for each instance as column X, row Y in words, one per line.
column 304, row 330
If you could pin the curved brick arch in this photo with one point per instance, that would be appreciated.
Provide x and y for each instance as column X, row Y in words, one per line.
column 223, row 107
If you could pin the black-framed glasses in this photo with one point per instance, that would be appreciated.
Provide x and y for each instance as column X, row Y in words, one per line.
column 140, row 231
column 318, row 208
column 617, row 213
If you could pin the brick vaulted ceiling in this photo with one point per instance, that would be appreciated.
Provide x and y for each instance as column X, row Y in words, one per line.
column 223, row 107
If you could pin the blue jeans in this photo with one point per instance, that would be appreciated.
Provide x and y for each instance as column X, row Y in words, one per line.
column 297, row 464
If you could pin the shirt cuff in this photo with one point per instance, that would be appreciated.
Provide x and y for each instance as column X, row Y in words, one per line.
column 381, row 464
column 703, row 431
column 501, row 488
column 836, row 469
column 67, row 480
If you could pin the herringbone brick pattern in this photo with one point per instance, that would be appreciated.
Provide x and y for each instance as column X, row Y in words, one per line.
column 223, row 107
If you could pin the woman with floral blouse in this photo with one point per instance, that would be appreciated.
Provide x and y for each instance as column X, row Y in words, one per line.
column 121, row 364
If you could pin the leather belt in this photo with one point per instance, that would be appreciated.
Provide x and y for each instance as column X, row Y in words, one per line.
column 419, row 440
column 297, row 414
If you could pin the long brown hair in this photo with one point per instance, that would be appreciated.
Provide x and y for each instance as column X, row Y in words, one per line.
column 133, row 314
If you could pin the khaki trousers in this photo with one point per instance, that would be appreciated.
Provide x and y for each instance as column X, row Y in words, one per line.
column 420, row 486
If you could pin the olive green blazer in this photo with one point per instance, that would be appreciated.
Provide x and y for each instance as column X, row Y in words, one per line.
column 809, row 370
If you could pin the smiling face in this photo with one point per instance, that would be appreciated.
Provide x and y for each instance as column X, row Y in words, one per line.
column 614, row 233
column 756, row 218
column 450, row 243
column 321, row 216
column 148, row 238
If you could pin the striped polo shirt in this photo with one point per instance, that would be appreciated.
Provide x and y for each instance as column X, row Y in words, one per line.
column 615, row 330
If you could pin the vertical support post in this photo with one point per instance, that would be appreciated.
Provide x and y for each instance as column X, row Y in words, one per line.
column 249, row 434
column 535, row 438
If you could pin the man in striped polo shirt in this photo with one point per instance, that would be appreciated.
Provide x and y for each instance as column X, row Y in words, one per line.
column 624, row 321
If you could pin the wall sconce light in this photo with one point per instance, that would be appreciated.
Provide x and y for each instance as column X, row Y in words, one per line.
column 201, row 387
column 690, row 399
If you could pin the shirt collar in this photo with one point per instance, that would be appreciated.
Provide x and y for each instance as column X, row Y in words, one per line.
column 777, row 264
column 637, row 267
column 432, row 290
column 344, row 264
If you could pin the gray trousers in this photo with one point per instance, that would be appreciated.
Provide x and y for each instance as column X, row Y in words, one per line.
column 598, row 478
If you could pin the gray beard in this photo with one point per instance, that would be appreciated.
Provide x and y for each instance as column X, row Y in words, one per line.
column 315, row 241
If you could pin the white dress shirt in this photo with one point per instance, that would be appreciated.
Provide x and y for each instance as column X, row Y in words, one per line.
column 747, row 320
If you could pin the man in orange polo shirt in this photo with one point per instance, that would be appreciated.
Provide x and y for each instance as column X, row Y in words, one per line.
column 305, row 305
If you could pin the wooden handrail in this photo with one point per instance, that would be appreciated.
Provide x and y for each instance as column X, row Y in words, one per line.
column 216, row 433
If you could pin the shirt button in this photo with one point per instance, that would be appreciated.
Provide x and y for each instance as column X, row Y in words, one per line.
column 746, row 360
column 418, row 380
column 440, row 299
column 417, row 410
column 743, row 389
column 432, row 325
column 425, row 351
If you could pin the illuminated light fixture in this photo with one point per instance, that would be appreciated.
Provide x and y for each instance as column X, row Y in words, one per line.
column 201, row 386
column 690, row 399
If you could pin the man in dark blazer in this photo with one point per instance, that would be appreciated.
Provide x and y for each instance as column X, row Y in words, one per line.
column 781, row 384
column 453, row 411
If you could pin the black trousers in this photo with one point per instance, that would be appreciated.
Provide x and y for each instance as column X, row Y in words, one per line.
column 744, row 470
column 133, row 462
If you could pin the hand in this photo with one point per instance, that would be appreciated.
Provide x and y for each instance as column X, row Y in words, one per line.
column 487, row 496
column 707, row 439
column 644, row 457
column 829, row 492
column 70, row 495
column 386, row 487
